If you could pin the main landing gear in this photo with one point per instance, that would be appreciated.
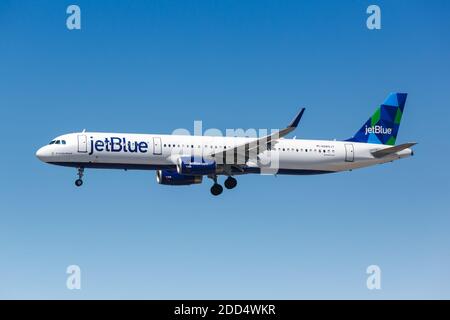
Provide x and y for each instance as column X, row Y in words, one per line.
column 217, row 189
column 79, row 181
column 230, row 183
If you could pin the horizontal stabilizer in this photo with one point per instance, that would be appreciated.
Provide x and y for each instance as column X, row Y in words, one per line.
column 384, row 152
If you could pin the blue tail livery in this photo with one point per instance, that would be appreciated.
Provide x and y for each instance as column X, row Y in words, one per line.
column 382, row 127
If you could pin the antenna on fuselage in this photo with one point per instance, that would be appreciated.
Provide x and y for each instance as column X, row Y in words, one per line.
column 84, row 130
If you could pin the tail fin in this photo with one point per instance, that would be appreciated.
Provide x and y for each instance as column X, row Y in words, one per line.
column 382, row 127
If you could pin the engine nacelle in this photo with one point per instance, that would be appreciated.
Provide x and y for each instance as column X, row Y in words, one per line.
column 173, row 178
column 196, row 166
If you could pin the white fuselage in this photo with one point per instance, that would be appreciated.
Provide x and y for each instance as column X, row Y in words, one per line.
column 154, row 152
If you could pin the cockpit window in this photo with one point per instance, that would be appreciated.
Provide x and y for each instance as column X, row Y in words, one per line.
column 58, row 142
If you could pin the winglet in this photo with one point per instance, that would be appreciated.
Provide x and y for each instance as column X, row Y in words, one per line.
column 296, row 120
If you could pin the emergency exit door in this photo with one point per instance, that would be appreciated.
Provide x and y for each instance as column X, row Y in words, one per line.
column 349, row 152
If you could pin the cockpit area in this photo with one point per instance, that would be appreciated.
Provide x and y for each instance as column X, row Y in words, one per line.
column 56, row 149
column 57, row 142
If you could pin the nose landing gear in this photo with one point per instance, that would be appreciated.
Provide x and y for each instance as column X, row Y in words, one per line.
column 79, row 181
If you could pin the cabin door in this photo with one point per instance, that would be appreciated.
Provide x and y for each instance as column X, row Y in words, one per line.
column 349, row 152
column 157, row 148
column 82, row 143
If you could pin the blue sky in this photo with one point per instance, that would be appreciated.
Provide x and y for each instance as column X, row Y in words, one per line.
column 154, row 66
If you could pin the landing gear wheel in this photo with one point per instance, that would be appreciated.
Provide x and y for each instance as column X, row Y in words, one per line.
column 230, row 183
column 79, row 181
column 216, row 189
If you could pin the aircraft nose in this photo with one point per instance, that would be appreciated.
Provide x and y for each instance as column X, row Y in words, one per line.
column 41, row 154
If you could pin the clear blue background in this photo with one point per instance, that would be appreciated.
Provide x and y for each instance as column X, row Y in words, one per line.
column 154, row 66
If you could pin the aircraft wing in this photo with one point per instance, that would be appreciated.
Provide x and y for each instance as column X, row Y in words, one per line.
column 384, row 152
column 260, row 144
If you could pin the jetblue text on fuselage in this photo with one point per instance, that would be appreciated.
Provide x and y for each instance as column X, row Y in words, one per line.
column 116, row 144
column 378, row 130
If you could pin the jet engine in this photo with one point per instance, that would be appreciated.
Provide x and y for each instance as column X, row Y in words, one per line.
column 196, row 166
column 173, row 178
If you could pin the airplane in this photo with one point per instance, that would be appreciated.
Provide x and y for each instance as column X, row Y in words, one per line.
column 186, row 160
